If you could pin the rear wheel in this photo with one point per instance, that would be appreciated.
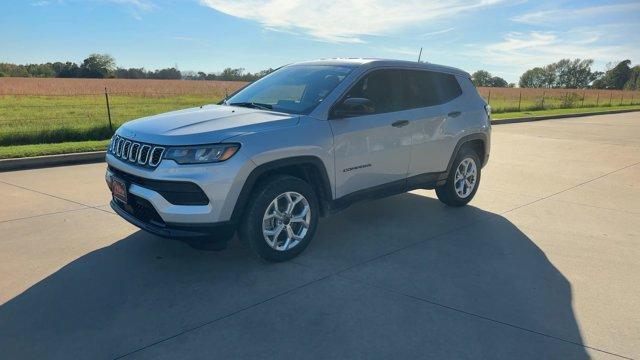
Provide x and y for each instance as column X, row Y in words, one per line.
column 463, row 181
column 281, row 218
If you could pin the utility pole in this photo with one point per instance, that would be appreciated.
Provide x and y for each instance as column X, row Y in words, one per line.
column 420, row 54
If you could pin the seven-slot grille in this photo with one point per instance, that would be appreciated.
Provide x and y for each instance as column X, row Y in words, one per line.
column 134, row 152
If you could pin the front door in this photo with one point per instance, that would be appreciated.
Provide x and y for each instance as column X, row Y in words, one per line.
column 373, row 149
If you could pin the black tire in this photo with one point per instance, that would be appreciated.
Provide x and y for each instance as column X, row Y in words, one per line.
column 251, row 227
column 447, row 192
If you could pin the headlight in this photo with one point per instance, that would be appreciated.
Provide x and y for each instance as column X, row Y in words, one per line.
column 201, row 153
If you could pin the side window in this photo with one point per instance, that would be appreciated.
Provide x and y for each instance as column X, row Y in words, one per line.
column 421, row 88
column 383, row 88
column 449, row 87
column 429, row 88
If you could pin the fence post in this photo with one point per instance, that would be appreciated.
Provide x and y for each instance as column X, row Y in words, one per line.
column 543, row 94
column 106, row 96
column 583, row 94
column 489, row 98
column 610, row 97
column 566, row 98
column 598, row 99
column 520, row 100
column 621, row 98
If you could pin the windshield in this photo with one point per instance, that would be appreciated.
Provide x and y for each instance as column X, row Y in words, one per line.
column 295, row 89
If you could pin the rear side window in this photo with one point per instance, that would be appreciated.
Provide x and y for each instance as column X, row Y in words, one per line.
column 450, row 88
column 421, row 88
column 383, row 87
column 429, row 88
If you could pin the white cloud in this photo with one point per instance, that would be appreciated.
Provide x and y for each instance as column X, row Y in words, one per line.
column 344, row 20
column 438, row 32
column 517, row 51
column 555, row 15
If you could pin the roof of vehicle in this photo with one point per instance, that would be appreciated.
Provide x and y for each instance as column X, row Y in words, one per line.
column 372, row 62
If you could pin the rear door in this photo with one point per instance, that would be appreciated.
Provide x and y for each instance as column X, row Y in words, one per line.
column 434, row 99
column 373, row 149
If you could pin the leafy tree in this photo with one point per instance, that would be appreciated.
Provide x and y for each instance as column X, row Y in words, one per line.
column 485, row 79
column 536, row 78
column 131, row 73
column 497, row 81
column 481, row 78
column 634, row 79
column 97, row 66
column 566, row 73
column 573, row 74
column 616, row 77
column 231, row 74
column 168, row 73
column 66, row 70
column 101, row 65
column 40, row 70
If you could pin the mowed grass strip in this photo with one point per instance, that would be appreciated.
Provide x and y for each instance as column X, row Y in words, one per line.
column 52, row 119
column 21, row 151
column 548, row 112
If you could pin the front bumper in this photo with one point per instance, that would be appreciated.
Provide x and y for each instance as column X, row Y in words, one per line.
column 215, row 231
column 219, row 186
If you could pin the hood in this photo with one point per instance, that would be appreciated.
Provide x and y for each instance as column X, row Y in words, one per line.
column 203, row 125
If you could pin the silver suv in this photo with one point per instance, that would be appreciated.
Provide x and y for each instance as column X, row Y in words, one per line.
column 303, row 142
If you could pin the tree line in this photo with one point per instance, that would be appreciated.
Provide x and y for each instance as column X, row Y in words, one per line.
column 569, row 74
column 104, row 66
column 564, row 74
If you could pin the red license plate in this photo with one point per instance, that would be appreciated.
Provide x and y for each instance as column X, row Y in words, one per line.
column 119, row 189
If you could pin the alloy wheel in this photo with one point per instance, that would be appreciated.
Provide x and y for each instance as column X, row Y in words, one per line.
column 286, row 221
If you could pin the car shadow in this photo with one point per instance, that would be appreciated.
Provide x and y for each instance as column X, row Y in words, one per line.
column 143, row 289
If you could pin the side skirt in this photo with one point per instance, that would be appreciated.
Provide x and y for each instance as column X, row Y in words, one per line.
column 423, row 181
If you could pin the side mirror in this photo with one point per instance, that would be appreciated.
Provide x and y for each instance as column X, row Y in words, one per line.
column 354, row 107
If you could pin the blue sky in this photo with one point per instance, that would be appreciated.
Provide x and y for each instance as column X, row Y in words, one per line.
column 504, row 37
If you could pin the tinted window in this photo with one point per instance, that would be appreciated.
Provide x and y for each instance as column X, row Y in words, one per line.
column 421, row 88
column 429, row 88
column 383, row 88
column 450, row 88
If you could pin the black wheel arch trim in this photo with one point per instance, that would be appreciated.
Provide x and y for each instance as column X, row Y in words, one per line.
column 462, row 142
column 324, row 191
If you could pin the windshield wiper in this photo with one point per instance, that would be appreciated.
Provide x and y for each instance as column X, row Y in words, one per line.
column 254, row 105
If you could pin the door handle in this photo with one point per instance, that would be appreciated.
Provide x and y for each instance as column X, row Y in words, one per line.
column 454, row 114
column 400, row 123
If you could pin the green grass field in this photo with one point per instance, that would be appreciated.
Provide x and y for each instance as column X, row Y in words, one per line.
column 53, row 119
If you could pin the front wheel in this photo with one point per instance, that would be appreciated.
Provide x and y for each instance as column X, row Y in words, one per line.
column 463, row 180
column 281, row 218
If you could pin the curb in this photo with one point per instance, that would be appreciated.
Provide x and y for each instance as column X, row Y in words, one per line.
column 563, row 116
column 99, row 156
column 37, row 162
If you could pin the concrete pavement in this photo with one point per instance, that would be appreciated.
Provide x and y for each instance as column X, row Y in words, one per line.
column 542, row 264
